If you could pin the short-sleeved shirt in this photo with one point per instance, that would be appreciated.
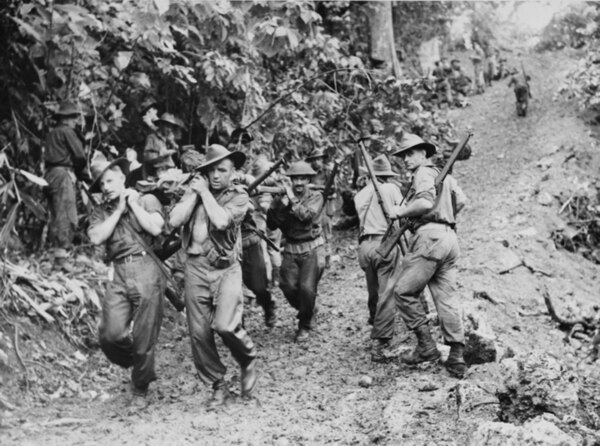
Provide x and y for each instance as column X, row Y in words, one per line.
column 122, row 243
column 227, row 242
column 423, row 186
column 64, row 148
column 299, row 222
column 368, row 209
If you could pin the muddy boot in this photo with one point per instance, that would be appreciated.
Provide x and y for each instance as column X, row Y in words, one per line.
column 270, row 315
column 220, row 396
column 456, row 360
column 383, row 351
column 426, row 349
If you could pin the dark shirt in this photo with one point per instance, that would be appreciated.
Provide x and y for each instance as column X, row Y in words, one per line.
column 122, row 243
column 299, row 222
column 64, row 148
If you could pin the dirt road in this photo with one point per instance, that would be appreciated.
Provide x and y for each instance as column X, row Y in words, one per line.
column 309, row 395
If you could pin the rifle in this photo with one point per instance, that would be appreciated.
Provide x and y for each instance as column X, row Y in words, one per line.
column 329, row 185
column 262, row 177
column 526, row 81
column 387, row 245
column 172, row 291
column 375, row 182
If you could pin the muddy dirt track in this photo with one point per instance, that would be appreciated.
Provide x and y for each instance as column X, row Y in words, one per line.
column 309, row 394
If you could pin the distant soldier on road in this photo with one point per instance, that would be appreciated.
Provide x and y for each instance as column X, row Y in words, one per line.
column 431, row 258
column 298, row 214
column 372, row 228
column 522, row 92
column 136, row 292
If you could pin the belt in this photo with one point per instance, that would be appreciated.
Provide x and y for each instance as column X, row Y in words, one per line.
column 302, row 247
column 129, row 258
column 435, row 225
column 362, row 238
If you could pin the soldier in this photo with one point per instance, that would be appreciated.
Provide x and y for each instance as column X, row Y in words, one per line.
column 162, row 143
column 522, row 92
column 254, row 269
column 459, row 81
column 65, row 162
column 136, row 292
column 212, row 211
column 478, row 80
column 372, row 228
column 431, row 258
column 298, row 214
column 317, row 160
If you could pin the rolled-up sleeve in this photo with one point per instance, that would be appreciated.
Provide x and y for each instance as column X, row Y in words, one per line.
column 424, row 184
column 237, row 207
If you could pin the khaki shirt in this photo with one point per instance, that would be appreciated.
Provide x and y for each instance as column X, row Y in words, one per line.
column 64, row 148
column 299, row 222
column 122, row 243
column 200, row 237
column 445, row 200
column 371, row 217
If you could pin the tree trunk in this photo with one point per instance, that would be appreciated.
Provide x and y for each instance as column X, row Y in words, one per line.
column 381, row 29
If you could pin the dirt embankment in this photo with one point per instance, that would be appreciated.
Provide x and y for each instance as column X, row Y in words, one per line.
column 309, row 395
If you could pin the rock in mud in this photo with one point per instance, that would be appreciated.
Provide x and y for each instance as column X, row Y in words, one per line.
column 365, row 381
column 537, row 432
column 537, row 384
column 480, row 340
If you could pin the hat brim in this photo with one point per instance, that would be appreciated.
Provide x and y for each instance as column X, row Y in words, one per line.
column 429, row 149
column 123, row 164
column 238, row 158
column 300, row 174
column 65, row 114
column 174, row 124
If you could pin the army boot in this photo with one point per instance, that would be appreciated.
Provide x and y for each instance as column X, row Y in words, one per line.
column 456, row 360
column 426, row 349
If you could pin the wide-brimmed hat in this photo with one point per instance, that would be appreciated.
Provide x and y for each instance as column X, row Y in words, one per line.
column 67, row 108
column 216, row 153
column 171, row 119
column 300, row 168
column 101, row 165
column 318, row 153
column 381, row 167
column 412, row 141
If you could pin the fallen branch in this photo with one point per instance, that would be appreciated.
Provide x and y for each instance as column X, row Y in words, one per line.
column 39, row 310
column 65, row 422
column 18, row 355
column 564, row 324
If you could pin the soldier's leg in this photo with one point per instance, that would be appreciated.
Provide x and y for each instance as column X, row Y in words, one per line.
column 148, row 285
column 311, row 270
column 254, row 273
column 61, row 183
column 364, row 261
column 289, row 279
column 385, row 316
column 228, row 300
column 199, row 309
column 117, row 312
column 442, row 287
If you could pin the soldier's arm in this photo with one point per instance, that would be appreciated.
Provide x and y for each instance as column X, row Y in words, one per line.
column 148, row 213
column 100, row 230
column 182, row 211
column 308, row 210
column 424, row 198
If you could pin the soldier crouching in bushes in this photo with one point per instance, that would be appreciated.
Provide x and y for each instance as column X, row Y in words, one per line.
column 136, row 292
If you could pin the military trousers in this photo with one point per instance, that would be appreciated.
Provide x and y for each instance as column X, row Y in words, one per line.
column 214, row 304
column 254, row 273
column 300, row 275
column 378, row 270
column 63, row 207
column 430, row 260
column 135, row 295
